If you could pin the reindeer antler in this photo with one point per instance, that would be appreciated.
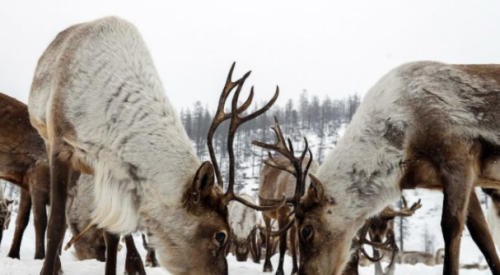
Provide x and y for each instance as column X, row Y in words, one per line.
column 294, row 167
column 361, row 241
column 235, row 121
column 389, row 213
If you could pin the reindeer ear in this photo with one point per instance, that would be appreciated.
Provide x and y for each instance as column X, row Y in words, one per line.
column 316, row 192
column 8, row 202
column 203, row 182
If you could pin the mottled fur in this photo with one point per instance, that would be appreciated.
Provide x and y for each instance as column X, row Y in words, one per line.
column 423, row 125
column 98, row 101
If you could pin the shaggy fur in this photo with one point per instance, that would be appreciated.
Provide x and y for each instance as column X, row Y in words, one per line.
column 420, row 126
column 98, row 101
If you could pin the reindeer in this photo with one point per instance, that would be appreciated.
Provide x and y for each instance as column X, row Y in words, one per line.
column 243, row 221
column 272, row 185
column 23, row 162
column 416, row 257
column 98, row 102
column 90, row 241
column 379, row 228
column 5, row 212
column 423, row 125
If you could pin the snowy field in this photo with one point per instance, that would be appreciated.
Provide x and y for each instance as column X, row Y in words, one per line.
column 28, row 266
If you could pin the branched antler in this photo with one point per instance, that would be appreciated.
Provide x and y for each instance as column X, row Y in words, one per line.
column 405, row 211
column 235, row 121
column 285, row 148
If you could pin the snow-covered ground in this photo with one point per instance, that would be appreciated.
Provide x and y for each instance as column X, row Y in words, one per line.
column 28, row 266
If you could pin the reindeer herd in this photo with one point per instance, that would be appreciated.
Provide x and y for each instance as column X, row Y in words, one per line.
column 101, row 144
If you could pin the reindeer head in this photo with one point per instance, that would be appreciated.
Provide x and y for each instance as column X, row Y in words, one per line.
column 325, row 232
column 315, row 229
column 200, row 227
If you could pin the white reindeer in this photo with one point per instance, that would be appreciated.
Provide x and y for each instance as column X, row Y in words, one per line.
column 98, row 102
column 423, row 125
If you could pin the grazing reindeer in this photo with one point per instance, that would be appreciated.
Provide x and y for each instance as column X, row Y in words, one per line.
column 382, row 227
column 242, row 221
column 23, row 162
column 272, row 185
column 379, row 228
column 423, row 125
column 295, row 167
column 92, row 244
column 418, row 257
column 5, row 212
column 97, row 100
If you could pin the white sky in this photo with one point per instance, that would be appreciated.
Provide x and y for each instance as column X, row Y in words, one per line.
column 327, row 47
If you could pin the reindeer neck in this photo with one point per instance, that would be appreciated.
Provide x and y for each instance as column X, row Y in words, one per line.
column 363, row 169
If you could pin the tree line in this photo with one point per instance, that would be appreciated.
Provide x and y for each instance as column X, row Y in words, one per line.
column 317, row 119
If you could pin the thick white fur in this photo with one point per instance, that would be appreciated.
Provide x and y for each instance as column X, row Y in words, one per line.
column 102, row 79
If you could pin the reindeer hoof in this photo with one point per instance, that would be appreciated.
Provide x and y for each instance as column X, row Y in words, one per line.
column 152, row 263
column 39, row 256
column 268, row 267
column 14, row 255
column 134, row 266
column 280, row 272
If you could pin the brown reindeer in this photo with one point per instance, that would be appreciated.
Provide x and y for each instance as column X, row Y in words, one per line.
column 423, row 125
column 5, row 212
column 273, row 184
column 23, row 162
column 98, row 102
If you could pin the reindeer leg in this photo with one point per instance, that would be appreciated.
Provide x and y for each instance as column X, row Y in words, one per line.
column 59, row 180
column 23, row 218
column 151, row 259
column 151, row 253
column 268, row 266
column 40, row 200
column 480, row 233
column 282, row 221
column 457, row 185
column 255, row 247
column 112, row 242
column 133, row 263
column 391, row 268
column 293, row 248
column 378, row 265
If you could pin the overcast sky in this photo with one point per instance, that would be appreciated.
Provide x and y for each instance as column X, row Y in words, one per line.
column 332, row 48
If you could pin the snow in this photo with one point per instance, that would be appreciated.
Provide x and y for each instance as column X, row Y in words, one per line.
column 71, row 266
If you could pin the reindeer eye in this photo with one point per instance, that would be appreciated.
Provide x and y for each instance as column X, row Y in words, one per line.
column 220, row 237
column 306, row 232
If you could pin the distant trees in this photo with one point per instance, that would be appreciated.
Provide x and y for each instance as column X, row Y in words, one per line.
column 309, row 114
